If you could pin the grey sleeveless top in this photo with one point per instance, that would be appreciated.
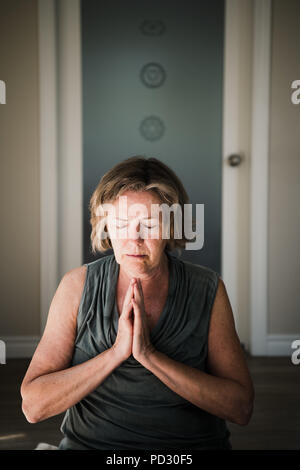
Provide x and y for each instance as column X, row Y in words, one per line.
column 132, row 408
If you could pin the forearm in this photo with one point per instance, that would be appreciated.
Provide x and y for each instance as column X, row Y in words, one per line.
column 222, row 397
column 52, row 394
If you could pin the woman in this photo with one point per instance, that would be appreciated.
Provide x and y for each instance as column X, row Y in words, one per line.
column 140, row 347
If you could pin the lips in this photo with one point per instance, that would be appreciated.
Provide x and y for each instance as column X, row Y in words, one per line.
column 137, row 256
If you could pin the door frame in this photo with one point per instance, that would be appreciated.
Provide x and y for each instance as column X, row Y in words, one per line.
column 259, row 188
column 61, row 156
column 47, row 43
column 60, row 145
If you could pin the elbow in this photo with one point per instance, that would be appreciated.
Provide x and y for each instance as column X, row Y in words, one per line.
column 28, row 409
column 245, row 416
column 29, row 413
column 245, row 412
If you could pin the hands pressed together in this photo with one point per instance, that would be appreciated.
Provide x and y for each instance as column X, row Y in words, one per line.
column 133, row 335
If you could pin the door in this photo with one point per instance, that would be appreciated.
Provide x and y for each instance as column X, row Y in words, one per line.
column 152, row 78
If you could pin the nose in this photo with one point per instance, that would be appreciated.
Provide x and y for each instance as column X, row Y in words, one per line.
column 134, row 231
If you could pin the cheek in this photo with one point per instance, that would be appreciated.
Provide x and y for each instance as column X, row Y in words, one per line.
column 118, row 245
column 155, row 246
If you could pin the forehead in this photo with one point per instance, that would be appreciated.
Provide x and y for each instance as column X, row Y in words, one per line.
column 139, row 196
column 139, row 202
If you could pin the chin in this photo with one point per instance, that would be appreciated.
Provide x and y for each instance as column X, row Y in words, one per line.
column 136, row 261
column 136, row 264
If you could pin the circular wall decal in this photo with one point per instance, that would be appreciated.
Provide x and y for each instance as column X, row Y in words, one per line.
column 152, row 128
column 153, row 75
column 153, row 27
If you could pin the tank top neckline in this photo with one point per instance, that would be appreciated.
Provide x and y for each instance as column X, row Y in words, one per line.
column 172, row 279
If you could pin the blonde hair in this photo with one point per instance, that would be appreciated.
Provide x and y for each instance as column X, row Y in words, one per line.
column 136, row 173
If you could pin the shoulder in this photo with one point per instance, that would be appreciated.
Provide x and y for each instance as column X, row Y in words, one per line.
column 101, row 265
column 200, row 271
column 69, row 290
column 198, row 282
column 73, row 281
column 75, row 275
column 200, row 276
column 75, row 278
column 222, row 310
column 222, row 323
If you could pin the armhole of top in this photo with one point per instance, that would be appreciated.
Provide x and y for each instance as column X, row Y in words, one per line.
column 83, row 295
column 213, row 292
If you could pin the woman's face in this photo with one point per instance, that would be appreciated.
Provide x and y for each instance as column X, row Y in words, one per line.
column 136, row 230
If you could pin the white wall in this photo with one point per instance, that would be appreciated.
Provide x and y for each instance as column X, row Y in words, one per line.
column 20, row 185
column 284, row 174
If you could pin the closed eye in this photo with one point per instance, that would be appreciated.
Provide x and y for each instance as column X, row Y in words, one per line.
column 125, row 225
column 150, row 226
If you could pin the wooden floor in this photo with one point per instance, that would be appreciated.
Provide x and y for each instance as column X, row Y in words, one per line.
column 275, row 423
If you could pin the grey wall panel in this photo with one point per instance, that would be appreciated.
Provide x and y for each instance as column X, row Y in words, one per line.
column 188, row 46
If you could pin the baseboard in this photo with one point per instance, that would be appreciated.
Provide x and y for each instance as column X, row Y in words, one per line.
column 20, row 346
column 281, row 345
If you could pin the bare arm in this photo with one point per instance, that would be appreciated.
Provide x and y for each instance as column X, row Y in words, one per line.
column 228, row 392
column 50, row 386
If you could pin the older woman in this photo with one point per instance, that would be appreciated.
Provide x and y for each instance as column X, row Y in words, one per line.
column 140, row 347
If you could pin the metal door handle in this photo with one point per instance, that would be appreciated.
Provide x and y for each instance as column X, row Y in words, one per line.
column 234, row 159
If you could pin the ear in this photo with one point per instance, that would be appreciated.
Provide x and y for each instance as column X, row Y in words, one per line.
column 105, row 234
column 106, row 229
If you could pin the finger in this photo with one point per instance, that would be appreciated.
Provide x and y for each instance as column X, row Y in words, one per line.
column 139, row 300
column 127, row 309
column 140, row 289
column 127, row 304
column 136, row 306
column 129, row 294
column 137, row 294
column 137, row 314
